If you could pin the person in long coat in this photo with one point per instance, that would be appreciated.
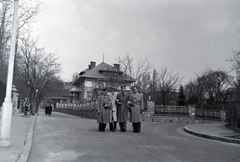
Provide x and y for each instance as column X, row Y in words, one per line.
column 49, row 109
column 136, row 109
column 122, row 109
column 103, row 108
column 113, row 114
column 46, row 109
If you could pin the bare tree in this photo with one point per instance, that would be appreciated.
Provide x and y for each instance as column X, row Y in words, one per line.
column 75, row 76
column 37, row 69
column 217, row 82
column 208, row 87
column 27, row 11
column 113, row 77
column 235, row 59
column 4, row 38
column 138, row 71
column 166, row 83
column 235, row 110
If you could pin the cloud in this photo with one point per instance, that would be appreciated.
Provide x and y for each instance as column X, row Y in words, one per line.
column 186, row 35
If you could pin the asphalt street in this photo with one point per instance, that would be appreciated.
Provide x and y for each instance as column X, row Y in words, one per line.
column 62, row 137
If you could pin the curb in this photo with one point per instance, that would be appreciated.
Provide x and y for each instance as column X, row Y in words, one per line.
column 23, row 157
column 225, row 139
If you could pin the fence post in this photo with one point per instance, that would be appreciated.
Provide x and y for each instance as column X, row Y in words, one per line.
column 150, row 108
column 223, row 115
column 191, row 112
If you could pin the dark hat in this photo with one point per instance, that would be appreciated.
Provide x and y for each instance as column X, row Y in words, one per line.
column 111, row 87
column 104, row 89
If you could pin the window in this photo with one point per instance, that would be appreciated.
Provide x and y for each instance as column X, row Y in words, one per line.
column 88, row 83
column 87, row 95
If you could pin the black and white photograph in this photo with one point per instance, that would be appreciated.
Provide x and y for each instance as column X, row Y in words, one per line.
column 119, row 80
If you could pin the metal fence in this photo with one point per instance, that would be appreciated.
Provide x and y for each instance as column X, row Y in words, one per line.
column 168, row 109
column 183, row 110
column 205, row 113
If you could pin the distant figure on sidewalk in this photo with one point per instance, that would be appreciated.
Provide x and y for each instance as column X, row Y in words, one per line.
column 48, row 109
column 113, row 114
column 122, row 109
column 103, row 108
column 136, row 109
column 26, row 108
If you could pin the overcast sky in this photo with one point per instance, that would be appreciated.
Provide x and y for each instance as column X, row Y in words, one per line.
column 186, row 36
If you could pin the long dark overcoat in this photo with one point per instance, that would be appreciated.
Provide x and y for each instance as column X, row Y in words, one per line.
column 135, row 111
column 49, row 109
column 122, row 109
column 103, row 112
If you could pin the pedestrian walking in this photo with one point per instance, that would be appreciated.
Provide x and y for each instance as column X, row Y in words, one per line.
column 122, row 109
column 113, row 114
column 103, row 108
column 49, row 109
column 26, row 109
column 136, row 109
column 46, row 109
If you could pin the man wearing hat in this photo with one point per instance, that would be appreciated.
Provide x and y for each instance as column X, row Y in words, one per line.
column 103, row 108
column 122, row 109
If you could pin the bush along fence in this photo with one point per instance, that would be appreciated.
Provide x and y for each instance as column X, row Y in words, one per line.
column 158, row 113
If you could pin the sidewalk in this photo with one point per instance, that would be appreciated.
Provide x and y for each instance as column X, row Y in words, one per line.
column 21, row 139
column 215, row 131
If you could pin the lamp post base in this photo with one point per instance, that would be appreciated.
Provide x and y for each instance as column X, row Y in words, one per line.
column 6, row 123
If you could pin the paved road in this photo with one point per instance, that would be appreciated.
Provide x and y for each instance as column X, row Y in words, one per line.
column 62, row 137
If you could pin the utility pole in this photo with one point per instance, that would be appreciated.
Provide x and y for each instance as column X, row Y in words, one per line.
column 6, row 118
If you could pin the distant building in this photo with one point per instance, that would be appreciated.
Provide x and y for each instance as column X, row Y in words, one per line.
column 95, row 78
column 62, row 97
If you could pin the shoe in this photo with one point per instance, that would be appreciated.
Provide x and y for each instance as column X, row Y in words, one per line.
column 103, row 130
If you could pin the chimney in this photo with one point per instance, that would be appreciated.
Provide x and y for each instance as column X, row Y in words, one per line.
column 117, row 66
column 93, row 64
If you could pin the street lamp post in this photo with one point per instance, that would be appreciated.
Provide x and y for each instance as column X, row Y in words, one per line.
column 36, row 102
column 8, row 105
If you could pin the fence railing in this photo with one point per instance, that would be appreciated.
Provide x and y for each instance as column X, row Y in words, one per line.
column 83, row 109
column 205, row 113
column 184, row 110
column 89, row 110
column 168, row 109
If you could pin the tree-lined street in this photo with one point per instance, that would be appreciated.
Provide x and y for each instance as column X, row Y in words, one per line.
column 63, row 137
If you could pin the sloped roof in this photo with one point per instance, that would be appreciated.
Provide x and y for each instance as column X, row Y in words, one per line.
column 96, row 72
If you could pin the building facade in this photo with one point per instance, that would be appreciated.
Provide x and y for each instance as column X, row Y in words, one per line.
column 93, row 79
